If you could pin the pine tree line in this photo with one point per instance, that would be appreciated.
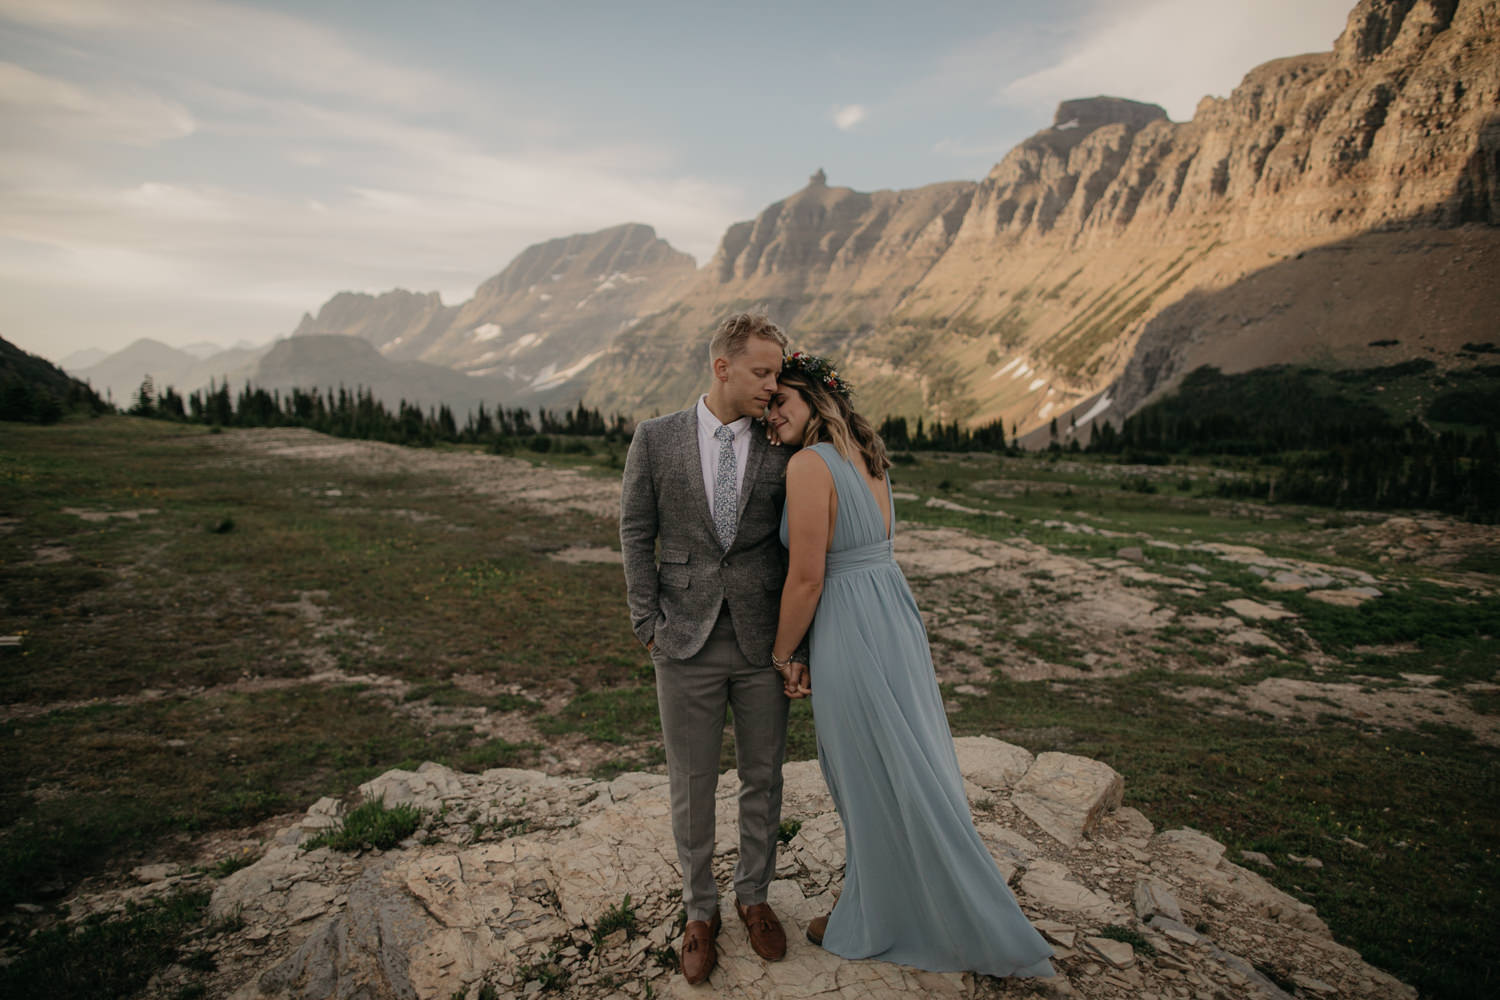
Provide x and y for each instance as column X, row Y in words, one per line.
column 1321, row 449
column 1346, row 457
column 356, row 413
column 899, row 435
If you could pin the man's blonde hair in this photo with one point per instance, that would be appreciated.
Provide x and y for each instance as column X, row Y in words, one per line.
column 735, row 332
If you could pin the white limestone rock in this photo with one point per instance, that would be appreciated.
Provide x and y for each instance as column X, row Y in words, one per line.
column 1119, row 954
column 1256, row 611
column 1066, row 795
column 1152, row 898
column 1051, row 887
column 990, row 763
column 1202, row 848
column 443, row 919
column 426, row 788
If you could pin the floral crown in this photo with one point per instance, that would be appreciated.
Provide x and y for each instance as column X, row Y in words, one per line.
column 818, row 370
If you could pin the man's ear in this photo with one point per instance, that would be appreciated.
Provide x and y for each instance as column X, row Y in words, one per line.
column 721, row 369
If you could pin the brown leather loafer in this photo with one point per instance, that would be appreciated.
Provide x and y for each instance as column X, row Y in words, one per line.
column 816, row 929
column 698, row 955
column 766, row 935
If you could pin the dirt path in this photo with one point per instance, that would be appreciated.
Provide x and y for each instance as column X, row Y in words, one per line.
column 505, row 479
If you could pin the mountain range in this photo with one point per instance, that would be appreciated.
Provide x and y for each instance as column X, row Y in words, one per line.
column 1338, row 208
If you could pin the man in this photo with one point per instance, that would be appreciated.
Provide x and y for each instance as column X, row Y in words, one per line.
column 706, row 486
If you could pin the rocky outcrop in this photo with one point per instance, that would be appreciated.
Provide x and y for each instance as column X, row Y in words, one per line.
column 506, row 886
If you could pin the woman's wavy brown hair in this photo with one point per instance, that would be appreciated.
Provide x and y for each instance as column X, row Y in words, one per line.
column 835, row 420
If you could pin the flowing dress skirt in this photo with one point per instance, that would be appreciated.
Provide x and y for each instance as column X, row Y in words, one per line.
column 920, row 887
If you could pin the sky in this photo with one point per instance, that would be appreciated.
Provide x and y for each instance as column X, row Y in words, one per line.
column 205, row 171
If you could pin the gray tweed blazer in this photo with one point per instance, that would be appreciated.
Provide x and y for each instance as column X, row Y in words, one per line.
column 676, row 575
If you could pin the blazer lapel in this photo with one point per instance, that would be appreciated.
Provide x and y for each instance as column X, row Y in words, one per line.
column 758, row 448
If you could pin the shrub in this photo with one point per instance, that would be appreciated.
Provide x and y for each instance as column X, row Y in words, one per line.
column 1134, row 938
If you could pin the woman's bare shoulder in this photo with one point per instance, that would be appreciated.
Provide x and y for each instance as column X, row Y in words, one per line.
column 807, row 462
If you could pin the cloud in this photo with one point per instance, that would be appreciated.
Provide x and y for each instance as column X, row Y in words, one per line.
column 267, row 46
column 848, row 116
column 406, row 205
column 308, row 164
column 33, row 103
column 65, row 13
column 1173, row 52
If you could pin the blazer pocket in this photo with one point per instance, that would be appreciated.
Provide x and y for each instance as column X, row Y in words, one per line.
column 674, row 571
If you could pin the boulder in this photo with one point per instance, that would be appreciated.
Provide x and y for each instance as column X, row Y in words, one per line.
column 426, row 787
column 1066, row 795
column 991, row 764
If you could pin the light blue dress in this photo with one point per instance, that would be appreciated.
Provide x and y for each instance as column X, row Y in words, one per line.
column 920, row 888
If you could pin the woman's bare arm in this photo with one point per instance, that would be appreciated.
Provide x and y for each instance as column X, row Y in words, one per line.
column 810, row 499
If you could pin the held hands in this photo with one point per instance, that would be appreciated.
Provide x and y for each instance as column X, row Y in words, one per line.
column 796, row 679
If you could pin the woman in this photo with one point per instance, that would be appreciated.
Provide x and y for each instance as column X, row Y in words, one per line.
column 920, row 888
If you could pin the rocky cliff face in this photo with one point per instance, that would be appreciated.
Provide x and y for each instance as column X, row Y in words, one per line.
column 400, row 324
column 1066, row 254
column 505, row 888
column 1098, row 261
column 825, row 259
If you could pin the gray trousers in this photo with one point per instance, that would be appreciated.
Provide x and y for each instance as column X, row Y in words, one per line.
column 693, row 695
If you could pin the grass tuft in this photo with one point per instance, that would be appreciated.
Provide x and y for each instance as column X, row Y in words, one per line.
column 618, row 917
column 1134, row 938
column 369, row 825
column 547, row 971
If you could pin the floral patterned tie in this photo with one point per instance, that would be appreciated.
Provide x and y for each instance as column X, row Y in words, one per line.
column 726, row 495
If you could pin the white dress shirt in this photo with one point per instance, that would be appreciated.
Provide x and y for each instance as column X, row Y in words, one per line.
column 708, row 449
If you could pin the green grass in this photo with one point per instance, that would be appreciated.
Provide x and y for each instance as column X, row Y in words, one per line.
column 163, row 604
column 144, row 709
column 94, row 786
column 448, row 694
column 371, row 824
column 619, row 715
column 546, row 970
column 621, row 916
column 108, row 956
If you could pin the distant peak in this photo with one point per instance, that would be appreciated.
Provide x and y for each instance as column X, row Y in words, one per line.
column 818, row 179
column 1089, row 113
